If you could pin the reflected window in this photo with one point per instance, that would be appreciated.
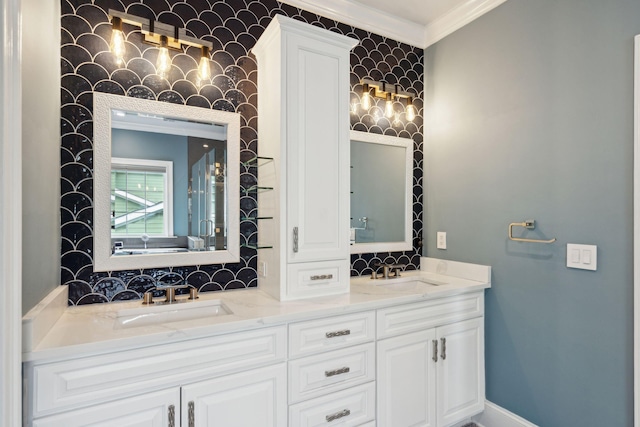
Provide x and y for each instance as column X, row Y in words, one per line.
column 141, row 197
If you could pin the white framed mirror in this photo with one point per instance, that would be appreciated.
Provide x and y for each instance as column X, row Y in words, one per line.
column 381, row 193
column 166, row 184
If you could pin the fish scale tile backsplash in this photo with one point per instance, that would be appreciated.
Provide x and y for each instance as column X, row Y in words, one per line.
column 234, row 27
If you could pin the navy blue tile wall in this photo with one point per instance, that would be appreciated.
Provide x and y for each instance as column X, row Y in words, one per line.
column 233, row 26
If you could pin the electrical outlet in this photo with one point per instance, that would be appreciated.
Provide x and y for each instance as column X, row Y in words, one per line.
column 442, row 240
column 262, row 268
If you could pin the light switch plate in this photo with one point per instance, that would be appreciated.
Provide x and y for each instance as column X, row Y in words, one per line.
column 442, row 240
column 584, row 257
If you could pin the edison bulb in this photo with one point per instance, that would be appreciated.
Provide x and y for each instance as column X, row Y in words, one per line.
column 163, row 64
column 411, row 110
column 388, row 108
column 117, row 45
column 366, row 97
column 204, row 68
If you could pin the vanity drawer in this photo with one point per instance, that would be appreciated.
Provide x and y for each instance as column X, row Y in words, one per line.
column 314, row 336
column 312, row 279
column 329, row 372
column 406, row 318
column 91, row 380
column 352, row 407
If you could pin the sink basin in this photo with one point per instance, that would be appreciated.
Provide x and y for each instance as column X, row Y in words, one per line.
column 149, row 251
column 166, row 313
column 409, row 283
column 433, row 282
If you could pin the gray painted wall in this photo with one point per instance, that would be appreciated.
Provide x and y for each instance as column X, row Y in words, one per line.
column 529, row 115
column 40, row 150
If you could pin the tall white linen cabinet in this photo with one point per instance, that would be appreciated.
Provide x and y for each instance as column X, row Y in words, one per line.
column 304, row 160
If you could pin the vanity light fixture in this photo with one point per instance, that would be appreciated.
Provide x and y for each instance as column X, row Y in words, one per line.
column 389, row 92
column 164, row 36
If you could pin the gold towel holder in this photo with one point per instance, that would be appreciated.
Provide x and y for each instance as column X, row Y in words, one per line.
column 529, row 224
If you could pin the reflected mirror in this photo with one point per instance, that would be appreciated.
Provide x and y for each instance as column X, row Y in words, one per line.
column 166, row 184
column 381, row 189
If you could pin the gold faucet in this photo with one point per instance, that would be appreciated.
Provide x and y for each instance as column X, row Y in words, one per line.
column 169, row 294
column 387, row 269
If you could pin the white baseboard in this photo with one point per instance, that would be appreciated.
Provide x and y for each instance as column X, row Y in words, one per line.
column 496, row 416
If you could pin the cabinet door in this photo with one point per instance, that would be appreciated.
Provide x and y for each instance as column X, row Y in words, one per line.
column 460, row 371
column 406, row 380
column 255, row 398
column 317, row 150
column 159, row 409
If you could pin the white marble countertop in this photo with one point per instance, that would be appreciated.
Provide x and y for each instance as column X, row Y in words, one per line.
column 92, row 329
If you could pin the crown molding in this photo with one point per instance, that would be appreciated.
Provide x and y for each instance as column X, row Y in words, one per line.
column 399, row 29
column 458, row 18
column 366, row 18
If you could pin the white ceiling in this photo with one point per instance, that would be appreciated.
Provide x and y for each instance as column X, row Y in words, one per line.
column 416, row 22
column 421, row 12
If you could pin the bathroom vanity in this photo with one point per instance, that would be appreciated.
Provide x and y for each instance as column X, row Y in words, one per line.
column 310, row 346
column 392, row 352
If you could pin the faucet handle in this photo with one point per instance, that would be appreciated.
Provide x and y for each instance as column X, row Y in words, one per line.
column 147, row 297
column 396, row 268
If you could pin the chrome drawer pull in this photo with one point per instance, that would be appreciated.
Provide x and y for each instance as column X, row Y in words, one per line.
column 443, row 354
column 322, row 277
column 435, row 350
column 338, row 415
column 172, row 416
column 295, row 239
column 338, row 333
column 344, row 370
column 192, row 414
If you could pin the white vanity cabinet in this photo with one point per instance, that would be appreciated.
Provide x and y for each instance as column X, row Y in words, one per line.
column 389, row 361
column 211, row 381
column 430, row 362
column 332, row 371
column 157, row 409
column 254, row 398
column 303, row 125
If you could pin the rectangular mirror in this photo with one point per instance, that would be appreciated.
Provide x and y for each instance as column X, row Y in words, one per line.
column 166, row 184
column 381, row 193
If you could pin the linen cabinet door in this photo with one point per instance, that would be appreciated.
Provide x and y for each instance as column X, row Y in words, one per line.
column 318, row 150
column 158, row 409
column 255, row 398
column 460, row 371
column 406, row 380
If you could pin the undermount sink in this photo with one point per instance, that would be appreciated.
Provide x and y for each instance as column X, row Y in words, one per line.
column 149, row 251
column 409, row 283
column 433, row 282
column 166, row 313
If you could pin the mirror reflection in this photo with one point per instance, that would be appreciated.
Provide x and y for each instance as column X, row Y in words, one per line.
column 167, row 194
column 167, row 189
column 381, row 172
